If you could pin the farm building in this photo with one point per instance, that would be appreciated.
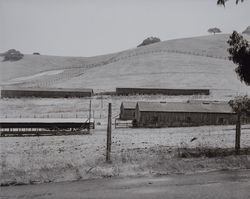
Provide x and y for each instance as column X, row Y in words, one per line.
column 160, row 91
column 178, row 114
column 43, row 126
column 17, row 92
column 127, row 110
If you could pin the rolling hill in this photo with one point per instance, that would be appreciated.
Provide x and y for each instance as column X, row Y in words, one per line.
column 198, row 62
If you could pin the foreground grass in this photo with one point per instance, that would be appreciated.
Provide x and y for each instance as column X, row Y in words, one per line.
column 157, row 160
column 31, row 160
column 210, row 152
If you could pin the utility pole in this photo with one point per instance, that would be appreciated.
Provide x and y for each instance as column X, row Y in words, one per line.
column 109, row 127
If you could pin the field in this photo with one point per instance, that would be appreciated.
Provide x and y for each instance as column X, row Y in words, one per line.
column 199, row 62
column 134, row 151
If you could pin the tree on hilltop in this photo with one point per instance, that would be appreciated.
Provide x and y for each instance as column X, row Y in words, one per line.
column 223, row 2
column 149, row 40
column 214, row 30
column 12, row 55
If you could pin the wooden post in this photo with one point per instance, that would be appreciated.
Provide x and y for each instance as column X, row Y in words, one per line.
column 109, row 127
column 101, row 101
column 101, row 106
column 90, row 106
column 237, row 133
column 90, row 110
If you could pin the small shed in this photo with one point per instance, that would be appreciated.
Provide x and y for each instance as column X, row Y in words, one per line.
column 127, row 110
column 179, row 114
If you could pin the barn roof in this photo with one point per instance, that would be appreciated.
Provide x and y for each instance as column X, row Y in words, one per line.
column 129, row 105
column 156, row 88
column 10, row 88
column 184, row 107
column 45, row 120
column 207, row 101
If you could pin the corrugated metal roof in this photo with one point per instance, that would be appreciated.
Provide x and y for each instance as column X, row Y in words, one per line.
column 207, row 101
column 184, row 107
column 157, row 88
column 45, row 120
column 129, row 105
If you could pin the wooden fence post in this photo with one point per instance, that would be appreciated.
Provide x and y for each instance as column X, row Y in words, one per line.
column 109, row 127
column 237, row 134
column 90, row 106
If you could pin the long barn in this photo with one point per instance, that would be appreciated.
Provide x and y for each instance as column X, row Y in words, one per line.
column 178, row 114
column 18, row 92
column 160, row 91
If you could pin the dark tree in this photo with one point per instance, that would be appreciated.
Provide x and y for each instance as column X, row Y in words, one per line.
column 214, row 30
column 239, row 51
column 149, row 40
column 12, row 55
column 222, row 2
column 241, row 106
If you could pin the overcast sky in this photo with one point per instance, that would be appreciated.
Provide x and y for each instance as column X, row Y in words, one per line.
column 94, row 27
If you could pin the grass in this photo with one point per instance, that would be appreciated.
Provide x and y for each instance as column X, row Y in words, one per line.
column 134, row 152
column 209, row 152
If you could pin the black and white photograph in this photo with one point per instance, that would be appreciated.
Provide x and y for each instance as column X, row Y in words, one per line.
column 124, row 99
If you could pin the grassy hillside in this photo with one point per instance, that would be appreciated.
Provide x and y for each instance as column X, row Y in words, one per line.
column 34, row 64
column 199, row 62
